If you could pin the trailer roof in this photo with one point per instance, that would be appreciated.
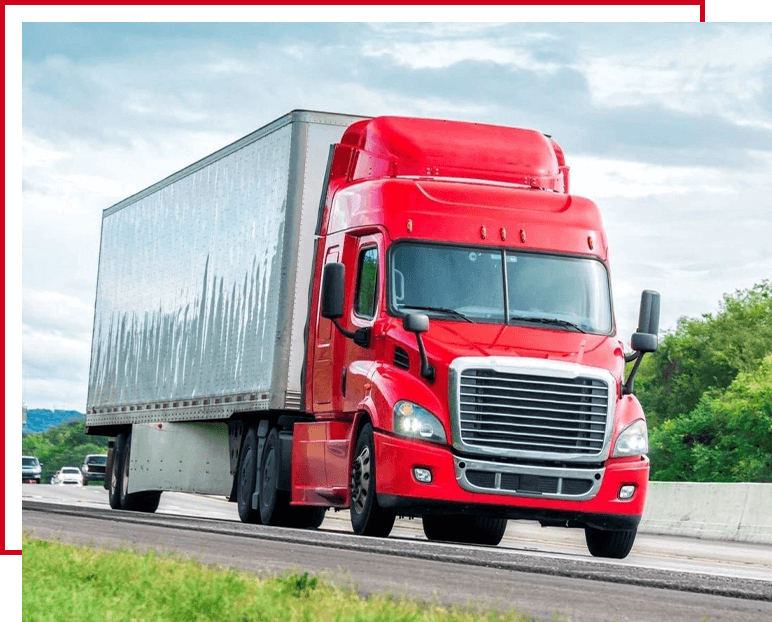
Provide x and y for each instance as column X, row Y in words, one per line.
column 295, row 116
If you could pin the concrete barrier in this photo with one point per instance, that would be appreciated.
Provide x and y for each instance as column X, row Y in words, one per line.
column 737, row 512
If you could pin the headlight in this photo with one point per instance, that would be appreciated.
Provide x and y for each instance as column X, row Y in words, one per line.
column 633, row 441
column 415, row 421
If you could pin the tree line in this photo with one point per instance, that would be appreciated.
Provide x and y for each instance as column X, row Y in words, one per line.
column 707, row 394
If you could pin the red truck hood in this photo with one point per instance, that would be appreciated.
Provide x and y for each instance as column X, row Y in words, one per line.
column 449, row 340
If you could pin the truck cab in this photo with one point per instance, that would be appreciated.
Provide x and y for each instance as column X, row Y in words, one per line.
column 464, row 324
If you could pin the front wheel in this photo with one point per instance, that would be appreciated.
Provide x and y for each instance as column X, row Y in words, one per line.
column 367, row 517
column 606, row 543
column 464, row 529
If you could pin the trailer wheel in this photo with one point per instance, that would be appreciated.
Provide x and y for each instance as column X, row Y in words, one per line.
column 114, row 476
column 465, row 529
column 367, row 517
column 144, row 501
column 607, row 543
column 274, row 503
column 247, row 476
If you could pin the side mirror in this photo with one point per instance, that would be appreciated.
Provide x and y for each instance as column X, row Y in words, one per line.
column 419, row 323
column 416, row 322
column 333, row 282
column 645, row 339
column 648, row 317
column 333, row 278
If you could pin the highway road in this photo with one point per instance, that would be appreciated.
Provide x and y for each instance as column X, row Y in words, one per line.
column 546, row 573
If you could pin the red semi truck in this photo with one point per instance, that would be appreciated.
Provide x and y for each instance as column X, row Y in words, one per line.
column 394, row 316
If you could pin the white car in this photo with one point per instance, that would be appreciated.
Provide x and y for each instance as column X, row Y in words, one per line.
column 68, row 476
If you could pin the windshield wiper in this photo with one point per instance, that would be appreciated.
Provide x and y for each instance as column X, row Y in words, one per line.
column 445, row 310
column 548, row 320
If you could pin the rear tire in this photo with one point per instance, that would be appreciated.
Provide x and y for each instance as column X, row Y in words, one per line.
column 247, row 477
column 144, row 501
column 464, row 529
column 306, row 517
column 613, row 544
column 115, row 481
column 367, row 517
column 274, row 503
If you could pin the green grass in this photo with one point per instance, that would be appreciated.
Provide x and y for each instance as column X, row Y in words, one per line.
column 63, row 582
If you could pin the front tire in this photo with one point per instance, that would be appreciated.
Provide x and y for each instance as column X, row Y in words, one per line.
column 464, row 529
column 612, row 544
column 367, row 517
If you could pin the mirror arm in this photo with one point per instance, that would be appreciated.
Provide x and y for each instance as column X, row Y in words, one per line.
column 427, row 369
column 361, row 336
column 627, row 389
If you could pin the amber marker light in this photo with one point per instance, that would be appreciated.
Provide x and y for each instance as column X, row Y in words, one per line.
column 483, row 232
column 503, row 234
column 522, row 235
column 410, row 225
column 590, row 242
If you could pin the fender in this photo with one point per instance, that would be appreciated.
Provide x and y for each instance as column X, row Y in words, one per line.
column 628, row 409
column 391, row 384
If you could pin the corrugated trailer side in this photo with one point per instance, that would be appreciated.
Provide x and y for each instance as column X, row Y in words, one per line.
column 203, row 282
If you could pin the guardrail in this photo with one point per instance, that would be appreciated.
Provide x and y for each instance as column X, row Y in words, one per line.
column 736, row 512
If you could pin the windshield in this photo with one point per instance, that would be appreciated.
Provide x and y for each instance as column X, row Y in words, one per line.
column 97, row 460
column 29, row 462
column 468, row 284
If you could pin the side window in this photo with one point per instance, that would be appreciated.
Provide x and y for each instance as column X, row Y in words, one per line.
column 367, row 282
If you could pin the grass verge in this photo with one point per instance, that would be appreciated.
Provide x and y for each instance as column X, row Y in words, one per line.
column 64, row 582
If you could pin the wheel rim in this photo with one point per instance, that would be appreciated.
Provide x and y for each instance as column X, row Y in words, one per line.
column 360, row 480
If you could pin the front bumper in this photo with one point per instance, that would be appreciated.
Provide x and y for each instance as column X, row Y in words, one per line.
column 451, row 491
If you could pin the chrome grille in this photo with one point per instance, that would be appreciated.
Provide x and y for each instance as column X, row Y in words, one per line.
column 525, row 412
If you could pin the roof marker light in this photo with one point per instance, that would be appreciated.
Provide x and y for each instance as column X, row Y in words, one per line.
column 483, row 232
column 522, row 235
column 590, row 242
column 410, row 225
column 503, row 234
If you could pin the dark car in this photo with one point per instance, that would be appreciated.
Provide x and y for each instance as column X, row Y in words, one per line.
column 93, row 468
column 30, row 469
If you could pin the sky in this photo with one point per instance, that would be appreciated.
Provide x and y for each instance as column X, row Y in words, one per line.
column 668, row 127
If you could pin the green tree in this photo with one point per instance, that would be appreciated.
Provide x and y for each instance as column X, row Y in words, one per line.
column 706, row 353
column 727, row 437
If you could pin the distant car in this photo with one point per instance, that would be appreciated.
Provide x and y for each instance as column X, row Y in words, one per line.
column 68, row 476
column 30, row 469
column 94, row 468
